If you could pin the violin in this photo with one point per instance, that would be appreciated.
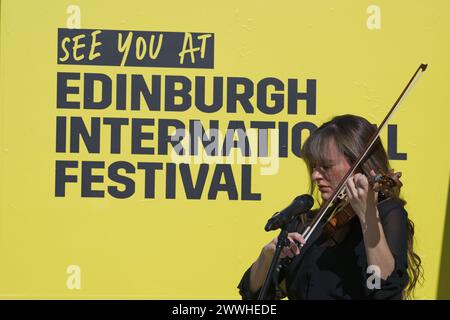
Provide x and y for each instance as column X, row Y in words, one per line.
column 386, row 184
column 335, row 202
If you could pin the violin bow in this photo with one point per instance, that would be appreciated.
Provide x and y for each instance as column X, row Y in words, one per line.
column 313, row 225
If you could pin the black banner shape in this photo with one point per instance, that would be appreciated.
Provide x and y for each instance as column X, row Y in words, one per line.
column 101, row 47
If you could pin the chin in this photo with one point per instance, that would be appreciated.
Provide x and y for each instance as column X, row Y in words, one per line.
column 325, row 196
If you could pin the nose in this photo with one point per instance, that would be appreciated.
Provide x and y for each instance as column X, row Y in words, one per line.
column 316, row 175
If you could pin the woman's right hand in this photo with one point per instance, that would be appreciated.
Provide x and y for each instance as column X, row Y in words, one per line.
column 261, row 266
column 288, row 251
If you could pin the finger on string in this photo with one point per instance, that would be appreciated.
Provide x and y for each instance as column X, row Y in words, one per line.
column 351, row 190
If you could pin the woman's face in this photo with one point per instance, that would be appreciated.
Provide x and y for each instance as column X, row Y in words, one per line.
column 327, row 175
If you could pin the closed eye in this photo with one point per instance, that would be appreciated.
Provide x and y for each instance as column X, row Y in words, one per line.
column 327, row 166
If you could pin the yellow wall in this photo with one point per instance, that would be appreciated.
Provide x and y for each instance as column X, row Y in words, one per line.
column 179, row 248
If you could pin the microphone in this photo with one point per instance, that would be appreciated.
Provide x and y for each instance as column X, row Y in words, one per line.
column 301, row 204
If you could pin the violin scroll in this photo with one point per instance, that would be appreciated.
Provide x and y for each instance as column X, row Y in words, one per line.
column 386, row 183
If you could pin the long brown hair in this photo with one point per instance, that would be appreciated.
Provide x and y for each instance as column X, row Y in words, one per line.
column 351, row 133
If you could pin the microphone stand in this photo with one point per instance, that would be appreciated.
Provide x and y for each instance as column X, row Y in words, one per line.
column 282, row 241
column 280, row 220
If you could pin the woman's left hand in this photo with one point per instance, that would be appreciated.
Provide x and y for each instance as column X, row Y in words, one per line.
column 361, row 196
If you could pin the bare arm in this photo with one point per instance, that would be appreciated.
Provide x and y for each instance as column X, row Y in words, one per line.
column 363, row 201
column 377, row 248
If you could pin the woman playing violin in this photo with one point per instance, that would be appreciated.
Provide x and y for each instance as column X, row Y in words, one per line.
column 371, row 256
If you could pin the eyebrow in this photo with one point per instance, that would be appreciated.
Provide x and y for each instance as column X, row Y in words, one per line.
column 328, row 162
